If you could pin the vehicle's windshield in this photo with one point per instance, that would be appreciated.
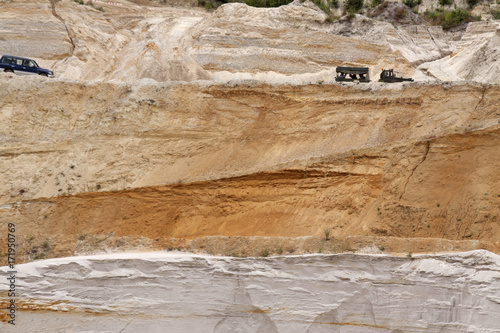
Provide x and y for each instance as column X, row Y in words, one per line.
column 34, row 62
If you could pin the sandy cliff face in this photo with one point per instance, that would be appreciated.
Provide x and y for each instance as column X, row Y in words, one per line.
column 173, row 133
column 290, row 44
column 315, row 293
column 412, row 38
column 225, row 133
column 229, row 159
column 40, row 34
column 190, row 161
column 474, row 57
column 239, row 39
column 126, row 42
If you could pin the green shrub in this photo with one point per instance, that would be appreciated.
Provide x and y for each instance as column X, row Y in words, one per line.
column 326, row 8
column 88, row 3
column 40, row 255
column 378, row 10
column 354, row 6
column 412, row 3
column 496, row 15
column 322, row 6
column 443, row 3
column 330, row 19
column 264, row 253
column 399, row 13
column 472, row 3
column 375, row 3
column 210, row 4
column 327, row 233
column 450, row 18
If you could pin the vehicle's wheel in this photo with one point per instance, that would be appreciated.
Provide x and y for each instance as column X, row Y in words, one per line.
column 8, row 70
column 43, row 74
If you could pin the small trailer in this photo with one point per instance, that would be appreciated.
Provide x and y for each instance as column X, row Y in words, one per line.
column 351, row 74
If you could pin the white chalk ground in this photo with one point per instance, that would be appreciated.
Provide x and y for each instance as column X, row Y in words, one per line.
column 182, row 292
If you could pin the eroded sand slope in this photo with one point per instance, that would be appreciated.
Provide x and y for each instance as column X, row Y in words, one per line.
column 291, row 44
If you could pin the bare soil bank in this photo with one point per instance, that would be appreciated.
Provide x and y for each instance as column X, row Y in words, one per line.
column 418, row 162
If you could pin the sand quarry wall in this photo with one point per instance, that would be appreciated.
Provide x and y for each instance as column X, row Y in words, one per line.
column 193, row 160
column 177, row 292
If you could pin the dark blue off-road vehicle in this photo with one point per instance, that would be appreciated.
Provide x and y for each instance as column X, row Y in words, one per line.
column 22, row 66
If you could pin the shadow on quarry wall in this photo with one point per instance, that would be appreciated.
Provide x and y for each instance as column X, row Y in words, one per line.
column 244, row 317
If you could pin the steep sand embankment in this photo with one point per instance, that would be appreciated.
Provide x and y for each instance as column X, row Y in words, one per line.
column 189, row 161
column 296, row 43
